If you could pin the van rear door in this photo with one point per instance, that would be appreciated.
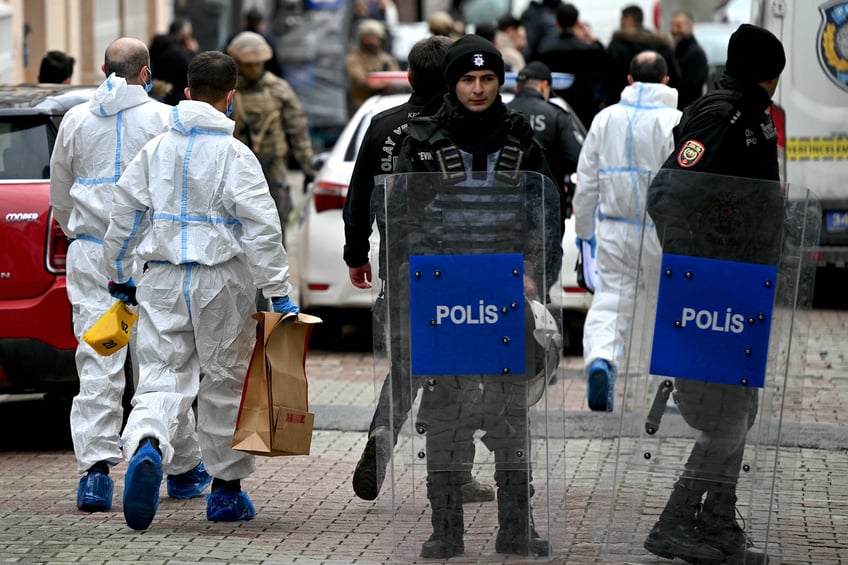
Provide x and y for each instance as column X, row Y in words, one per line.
column 813, row 97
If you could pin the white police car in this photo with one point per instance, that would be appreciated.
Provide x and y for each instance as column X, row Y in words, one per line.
column 321, row 274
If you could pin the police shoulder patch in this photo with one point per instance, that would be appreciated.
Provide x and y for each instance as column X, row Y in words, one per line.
column 690, row 153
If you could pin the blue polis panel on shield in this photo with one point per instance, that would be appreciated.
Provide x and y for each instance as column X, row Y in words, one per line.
column 467, row 314
column 713, row 320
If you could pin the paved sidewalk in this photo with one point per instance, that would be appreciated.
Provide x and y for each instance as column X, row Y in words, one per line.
column 307, row 512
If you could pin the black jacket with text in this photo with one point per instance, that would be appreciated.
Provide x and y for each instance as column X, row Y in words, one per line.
column 376, row 158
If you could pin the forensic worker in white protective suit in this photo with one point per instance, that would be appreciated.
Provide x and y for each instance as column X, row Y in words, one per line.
column 95, row 143
column 625, row 146
column 195, row 206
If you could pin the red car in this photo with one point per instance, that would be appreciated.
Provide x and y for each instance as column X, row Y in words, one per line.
column 37, row 342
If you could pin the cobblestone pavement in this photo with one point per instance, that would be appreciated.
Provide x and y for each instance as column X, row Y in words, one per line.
column 307, row 512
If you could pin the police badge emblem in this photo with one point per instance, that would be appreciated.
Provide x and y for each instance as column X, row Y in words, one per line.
column 478, row 59
column 725, row 223
column 833, row 41
column 690, row 153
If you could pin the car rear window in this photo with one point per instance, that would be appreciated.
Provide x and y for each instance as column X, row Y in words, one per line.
column 356, row 139
column 25, row 145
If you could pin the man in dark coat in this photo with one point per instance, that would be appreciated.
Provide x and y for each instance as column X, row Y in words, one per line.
column 578, row 53
column 631, row 39
column 690, row 58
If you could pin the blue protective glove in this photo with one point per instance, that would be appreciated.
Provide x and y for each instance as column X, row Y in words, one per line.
column 124, row 291
column 284, row 305
column 593, row 244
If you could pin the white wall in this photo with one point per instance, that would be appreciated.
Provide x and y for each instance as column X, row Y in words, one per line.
column 7, row 58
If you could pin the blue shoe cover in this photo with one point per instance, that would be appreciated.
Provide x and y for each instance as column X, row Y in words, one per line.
column 600, row 390
column 190, row 484
column 141, row 488
column 227, row 506
column 94, row 493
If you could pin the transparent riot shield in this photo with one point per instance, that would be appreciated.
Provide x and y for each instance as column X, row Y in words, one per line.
column 719, row 320
column 474, row 410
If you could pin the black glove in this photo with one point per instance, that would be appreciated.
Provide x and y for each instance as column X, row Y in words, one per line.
column 124, row 291
column 307, row 180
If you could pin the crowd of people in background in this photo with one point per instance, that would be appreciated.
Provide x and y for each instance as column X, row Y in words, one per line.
column 551, row 32
column 548, row 31
column 557, row 36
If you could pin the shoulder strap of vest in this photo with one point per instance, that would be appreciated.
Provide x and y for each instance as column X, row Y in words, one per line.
column 450, row 162
column 510, row 159
column 256, row 128
column 507, row 167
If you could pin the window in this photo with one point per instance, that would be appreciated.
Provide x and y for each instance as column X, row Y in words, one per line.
column 25, row 145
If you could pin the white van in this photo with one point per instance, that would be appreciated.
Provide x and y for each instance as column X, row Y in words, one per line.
column 811, row 108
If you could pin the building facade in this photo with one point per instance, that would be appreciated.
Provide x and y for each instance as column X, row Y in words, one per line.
column 80, row 28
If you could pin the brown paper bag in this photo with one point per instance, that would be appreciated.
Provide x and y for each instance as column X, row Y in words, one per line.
column 274, row 417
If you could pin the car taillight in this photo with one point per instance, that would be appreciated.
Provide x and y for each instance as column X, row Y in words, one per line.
column 778, row 116
column 329, row 195
column 57, row 247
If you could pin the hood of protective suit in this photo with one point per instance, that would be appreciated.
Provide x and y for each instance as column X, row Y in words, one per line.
column 190, row 115
column 626, row 143
column 655, row 93
column 114, row 95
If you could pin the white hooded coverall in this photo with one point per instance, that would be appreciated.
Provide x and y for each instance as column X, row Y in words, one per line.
column 95, row 143
column 625, row 146
column 195, row 206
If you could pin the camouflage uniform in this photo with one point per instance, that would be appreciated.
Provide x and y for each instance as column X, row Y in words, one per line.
column 363, row 60
column 270, row 120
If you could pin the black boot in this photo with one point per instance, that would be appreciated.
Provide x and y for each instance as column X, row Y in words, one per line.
column 475, row 491
column 718, row 521
column 371, row 468
column 446, row 516
column 516, row 534
column 677, row 533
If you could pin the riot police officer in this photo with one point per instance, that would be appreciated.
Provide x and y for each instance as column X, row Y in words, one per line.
column 473, row 139
column 725, row 132
column 375, row 160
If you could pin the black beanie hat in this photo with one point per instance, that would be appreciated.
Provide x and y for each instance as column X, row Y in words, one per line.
column 472, row 53
column 754, row 54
